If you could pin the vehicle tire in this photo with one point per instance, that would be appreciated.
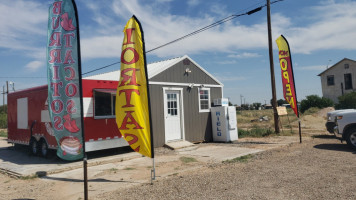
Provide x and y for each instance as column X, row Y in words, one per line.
column 351, row 138
column 43, row 148
column 34, row 147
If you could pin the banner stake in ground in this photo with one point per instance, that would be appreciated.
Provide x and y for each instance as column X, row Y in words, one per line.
column 289, row 92
column 133, row 110
column 65, row 82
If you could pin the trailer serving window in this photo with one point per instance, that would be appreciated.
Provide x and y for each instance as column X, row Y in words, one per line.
column 104, row 103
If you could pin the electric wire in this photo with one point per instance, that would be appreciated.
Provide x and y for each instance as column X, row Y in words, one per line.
column 226, row 19
column 217, row 23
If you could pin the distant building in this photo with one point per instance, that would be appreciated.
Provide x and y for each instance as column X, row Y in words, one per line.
column 339, row 79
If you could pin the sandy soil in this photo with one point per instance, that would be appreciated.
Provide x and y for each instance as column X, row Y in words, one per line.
column 319, row 168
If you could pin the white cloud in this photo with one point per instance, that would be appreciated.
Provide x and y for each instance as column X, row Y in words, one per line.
column 227, row 62
column 192, row 3
column 330, row 25
column 22, row 24
column 244, row 55
column 312, row 68
column 34, row 65
column 226, row 78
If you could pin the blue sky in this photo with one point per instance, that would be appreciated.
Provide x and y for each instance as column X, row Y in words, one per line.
column 320, row 33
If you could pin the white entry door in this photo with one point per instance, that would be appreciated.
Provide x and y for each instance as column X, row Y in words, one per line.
column 172, row 112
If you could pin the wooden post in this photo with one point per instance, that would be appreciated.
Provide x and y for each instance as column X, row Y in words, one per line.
column 273, row 84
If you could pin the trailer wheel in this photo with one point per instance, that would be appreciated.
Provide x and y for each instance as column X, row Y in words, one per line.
column 44, row 148
column 34, row 147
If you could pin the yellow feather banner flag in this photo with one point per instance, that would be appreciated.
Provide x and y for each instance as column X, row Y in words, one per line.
column 132, row 97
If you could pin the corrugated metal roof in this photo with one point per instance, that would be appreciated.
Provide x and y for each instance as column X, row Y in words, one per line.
column 152, row 70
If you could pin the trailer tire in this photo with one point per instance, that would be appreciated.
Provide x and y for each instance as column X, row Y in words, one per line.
column 43, row 148
column 34, row 147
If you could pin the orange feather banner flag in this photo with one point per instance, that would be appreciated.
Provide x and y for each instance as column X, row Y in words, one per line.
column 132, row 96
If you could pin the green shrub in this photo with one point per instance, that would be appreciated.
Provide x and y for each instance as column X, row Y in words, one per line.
column 315, row 101
column 347, row 101
column 311, row 110
column 3, row 120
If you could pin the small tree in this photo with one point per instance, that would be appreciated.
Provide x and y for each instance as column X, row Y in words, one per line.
column 347, row 101
column 315, row 101
column 244, row 106
column 281, row 102
column 256, row 105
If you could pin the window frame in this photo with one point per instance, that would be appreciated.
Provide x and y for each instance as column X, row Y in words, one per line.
column 327, row 80
column 350, row 87
column 112, row 105
column 199, row 100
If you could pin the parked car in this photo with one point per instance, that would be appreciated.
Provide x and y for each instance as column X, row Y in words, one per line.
column 346, row 127
column 330, row 116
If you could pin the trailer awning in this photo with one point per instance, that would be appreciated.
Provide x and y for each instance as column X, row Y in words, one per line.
column 108, row 91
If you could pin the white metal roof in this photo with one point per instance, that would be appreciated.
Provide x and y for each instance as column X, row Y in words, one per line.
column 153, row 69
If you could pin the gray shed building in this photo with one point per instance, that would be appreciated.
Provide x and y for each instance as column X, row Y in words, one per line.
column 181, row 94
column 339, row 79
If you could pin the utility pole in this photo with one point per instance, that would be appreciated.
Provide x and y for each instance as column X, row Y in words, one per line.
column 273, row 84
column 3, row 97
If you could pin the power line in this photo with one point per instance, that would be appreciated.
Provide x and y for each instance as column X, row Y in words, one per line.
column 219, row 22
column 226, row 19
column 22, row 77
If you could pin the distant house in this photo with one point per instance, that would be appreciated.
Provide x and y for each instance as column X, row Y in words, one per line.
column 339, row 79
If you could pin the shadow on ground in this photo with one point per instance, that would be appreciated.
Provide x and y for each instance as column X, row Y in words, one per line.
column 324, row 136
column 336, row 147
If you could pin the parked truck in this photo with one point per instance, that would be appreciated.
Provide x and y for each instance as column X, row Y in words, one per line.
column 345, row 127
column 330, row 116
column 29, row 123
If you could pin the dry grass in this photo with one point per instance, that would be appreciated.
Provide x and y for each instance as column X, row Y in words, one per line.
column 250, row 118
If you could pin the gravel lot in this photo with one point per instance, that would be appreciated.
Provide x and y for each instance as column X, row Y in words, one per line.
column 320, row 168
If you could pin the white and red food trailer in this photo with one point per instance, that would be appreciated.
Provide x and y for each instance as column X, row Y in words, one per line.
column 29, row 122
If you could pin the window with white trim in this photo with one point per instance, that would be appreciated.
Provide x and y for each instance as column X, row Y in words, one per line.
column 204, row 99
column 104, row 104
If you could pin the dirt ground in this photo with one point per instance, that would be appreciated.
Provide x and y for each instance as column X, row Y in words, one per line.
column 319, row 168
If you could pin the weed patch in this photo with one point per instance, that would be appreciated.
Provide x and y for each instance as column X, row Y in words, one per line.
column 29, row 177
column 129, row 168
column 187, row 159
column 255, row 131
column 3, row 133
column 241, row 159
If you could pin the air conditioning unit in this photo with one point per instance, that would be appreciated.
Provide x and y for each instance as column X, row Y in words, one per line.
column 221, row 102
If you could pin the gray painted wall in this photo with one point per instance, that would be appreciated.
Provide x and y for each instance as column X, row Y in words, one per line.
column 338, row 70
column 177, row 74
column 197, row 126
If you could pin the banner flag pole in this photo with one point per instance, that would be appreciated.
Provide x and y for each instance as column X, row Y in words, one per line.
column 133, row 106
column 288, row 82
column 85, row 158
column 64, row 76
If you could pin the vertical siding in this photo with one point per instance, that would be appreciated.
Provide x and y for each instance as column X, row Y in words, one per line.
column 177, row 74
column 156, row 98
column 197, row 126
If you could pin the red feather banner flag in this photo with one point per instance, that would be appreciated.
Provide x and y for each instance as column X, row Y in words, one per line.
column 285, row 61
